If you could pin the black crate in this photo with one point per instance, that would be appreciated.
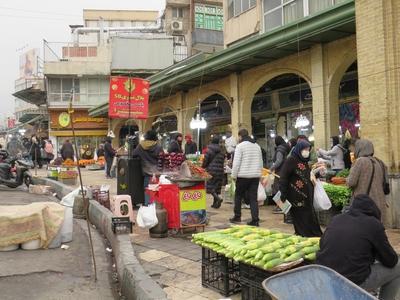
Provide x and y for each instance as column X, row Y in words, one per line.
column 251, row 278
column 219, row 273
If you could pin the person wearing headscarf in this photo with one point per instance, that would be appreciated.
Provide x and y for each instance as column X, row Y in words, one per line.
column 297, row 187
column 281, row 152
column 190, row 146
column 360, row 179
column 35, row 151
column 175, row 146
column 148, row 151
column 335, row 155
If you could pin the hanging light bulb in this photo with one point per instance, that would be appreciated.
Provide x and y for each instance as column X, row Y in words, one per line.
column 198, row 123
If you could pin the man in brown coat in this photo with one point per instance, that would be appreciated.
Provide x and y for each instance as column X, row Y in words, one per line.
column 361, row 172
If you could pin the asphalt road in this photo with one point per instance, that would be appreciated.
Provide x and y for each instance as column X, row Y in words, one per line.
column 54, row 273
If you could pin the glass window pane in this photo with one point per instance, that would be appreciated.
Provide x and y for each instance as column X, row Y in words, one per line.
column 318, row 5
column 66, row 85
column 54, row 97
column 238, row 7
column 220, row 23
column 54, row 85
column 77, row 86
column 271, row 4
column 180, row 12
column 104, row 86
column 199, row 20
column 293, row 11
column 253, row 3
column 245, row 5
column 93, row 86
column 273, row 20
column 174, row 12
column 230, row 9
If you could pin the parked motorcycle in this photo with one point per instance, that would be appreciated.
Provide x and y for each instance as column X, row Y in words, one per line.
column 15, row 172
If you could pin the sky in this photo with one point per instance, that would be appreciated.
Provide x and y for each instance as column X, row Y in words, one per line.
column 25, row 23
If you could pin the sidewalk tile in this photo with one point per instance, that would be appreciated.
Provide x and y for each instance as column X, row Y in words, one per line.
column 153, row 255
column 172, row 262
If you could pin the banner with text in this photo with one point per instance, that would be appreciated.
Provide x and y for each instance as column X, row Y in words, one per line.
column 129, row 98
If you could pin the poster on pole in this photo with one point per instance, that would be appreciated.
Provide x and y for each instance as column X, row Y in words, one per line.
column 129, row 98
column 192, row 203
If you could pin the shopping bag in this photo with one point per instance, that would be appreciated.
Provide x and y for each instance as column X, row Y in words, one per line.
column 146, row 216
column 268, row 184
column 261, row 195
column 321, row 199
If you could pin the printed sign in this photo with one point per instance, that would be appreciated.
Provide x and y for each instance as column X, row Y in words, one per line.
column 129, row 98
column 192, row 206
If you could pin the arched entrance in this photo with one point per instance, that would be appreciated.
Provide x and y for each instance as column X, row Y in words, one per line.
column 124, row 131
column 276, row 107
column 349, row 107
column 216, row 110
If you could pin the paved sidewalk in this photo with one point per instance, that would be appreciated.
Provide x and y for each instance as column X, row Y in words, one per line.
column 175, row 263
column 54, row 274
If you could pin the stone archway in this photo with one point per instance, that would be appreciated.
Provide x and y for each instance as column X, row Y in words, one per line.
column 121, row 126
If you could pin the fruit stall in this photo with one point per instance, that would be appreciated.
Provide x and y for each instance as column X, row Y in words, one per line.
column 181, row 190
column 239, row 258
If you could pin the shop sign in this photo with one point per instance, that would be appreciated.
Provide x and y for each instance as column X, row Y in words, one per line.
column 192, row 206
column 64, row 119
column 129, row 98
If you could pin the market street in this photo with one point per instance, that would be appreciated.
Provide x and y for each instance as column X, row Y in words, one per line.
column 54, row 273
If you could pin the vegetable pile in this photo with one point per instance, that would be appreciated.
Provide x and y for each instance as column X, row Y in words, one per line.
column 344, row 173
column 263, row 248
column 338, row 194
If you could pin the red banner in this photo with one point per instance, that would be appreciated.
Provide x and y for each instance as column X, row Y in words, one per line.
column 129, row 98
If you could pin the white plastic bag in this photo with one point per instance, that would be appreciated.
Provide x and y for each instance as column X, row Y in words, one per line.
column 261, row 195
column 146, row 216
column 321, row 199
column 268, row 183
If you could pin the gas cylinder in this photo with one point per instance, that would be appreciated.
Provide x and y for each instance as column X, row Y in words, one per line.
column 161, row 229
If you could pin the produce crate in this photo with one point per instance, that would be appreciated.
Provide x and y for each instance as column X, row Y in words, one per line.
column 103, row 197
column 251, row 279
column 219, row 273
column 325, row 216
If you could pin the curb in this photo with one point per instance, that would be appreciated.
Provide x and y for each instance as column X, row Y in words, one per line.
column 135, row 283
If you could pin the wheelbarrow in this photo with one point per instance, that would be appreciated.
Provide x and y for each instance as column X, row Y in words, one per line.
column 313, row 282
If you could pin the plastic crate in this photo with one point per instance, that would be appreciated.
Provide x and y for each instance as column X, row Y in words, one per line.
column 325, row 216
column 219, row 273
column 251, row 279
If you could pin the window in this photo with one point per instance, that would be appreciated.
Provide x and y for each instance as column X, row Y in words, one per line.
column 177, row 12
column 236, row 7
column 209, row 17
column 281, row 12
column 87, row 90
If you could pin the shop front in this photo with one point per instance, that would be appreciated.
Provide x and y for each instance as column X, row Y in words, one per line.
column 90, row 132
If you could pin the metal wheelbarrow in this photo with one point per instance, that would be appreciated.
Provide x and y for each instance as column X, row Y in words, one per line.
column 313, row 282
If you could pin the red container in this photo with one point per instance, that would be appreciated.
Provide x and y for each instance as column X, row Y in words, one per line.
column 168, row 195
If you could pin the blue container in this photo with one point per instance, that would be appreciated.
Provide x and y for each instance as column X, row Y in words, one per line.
column 313, row 282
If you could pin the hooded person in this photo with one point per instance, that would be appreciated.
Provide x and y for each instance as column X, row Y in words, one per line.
column 190, row 146
column 297, row 187
column 148, row 151
column 368, row 175
column 352, row 243
column 109, row 154
column 213, row 162
column 175, row 146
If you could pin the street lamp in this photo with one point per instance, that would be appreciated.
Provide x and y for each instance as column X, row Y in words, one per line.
column 198, row 123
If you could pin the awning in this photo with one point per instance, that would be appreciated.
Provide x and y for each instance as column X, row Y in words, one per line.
column 327, row 26
column 20, row 126
column 78, row 133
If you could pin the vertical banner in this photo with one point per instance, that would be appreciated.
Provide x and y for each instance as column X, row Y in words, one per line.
column 129, row 98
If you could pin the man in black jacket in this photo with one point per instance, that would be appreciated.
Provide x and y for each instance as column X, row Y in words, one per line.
column 355, row 245
column 175, row 145
column 190, row 146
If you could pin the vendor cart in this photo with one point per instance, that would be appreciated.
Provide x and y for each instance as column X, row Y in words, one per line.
column 185, row 202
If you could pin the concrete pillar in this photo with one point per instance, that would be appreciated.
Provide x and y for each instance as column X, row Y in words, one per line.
column 325, row 112
column 378, row 58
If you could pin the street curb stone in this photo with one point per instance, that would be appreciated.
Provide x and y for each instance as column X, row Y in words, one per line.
column 135, row 283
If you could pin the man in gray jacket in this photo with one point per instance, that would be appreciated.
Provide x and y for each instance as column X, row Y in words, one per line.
column 246, row 170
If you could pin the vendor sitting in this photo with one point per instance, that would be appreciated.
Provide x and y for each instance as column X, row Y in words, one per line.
column 355, row 245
